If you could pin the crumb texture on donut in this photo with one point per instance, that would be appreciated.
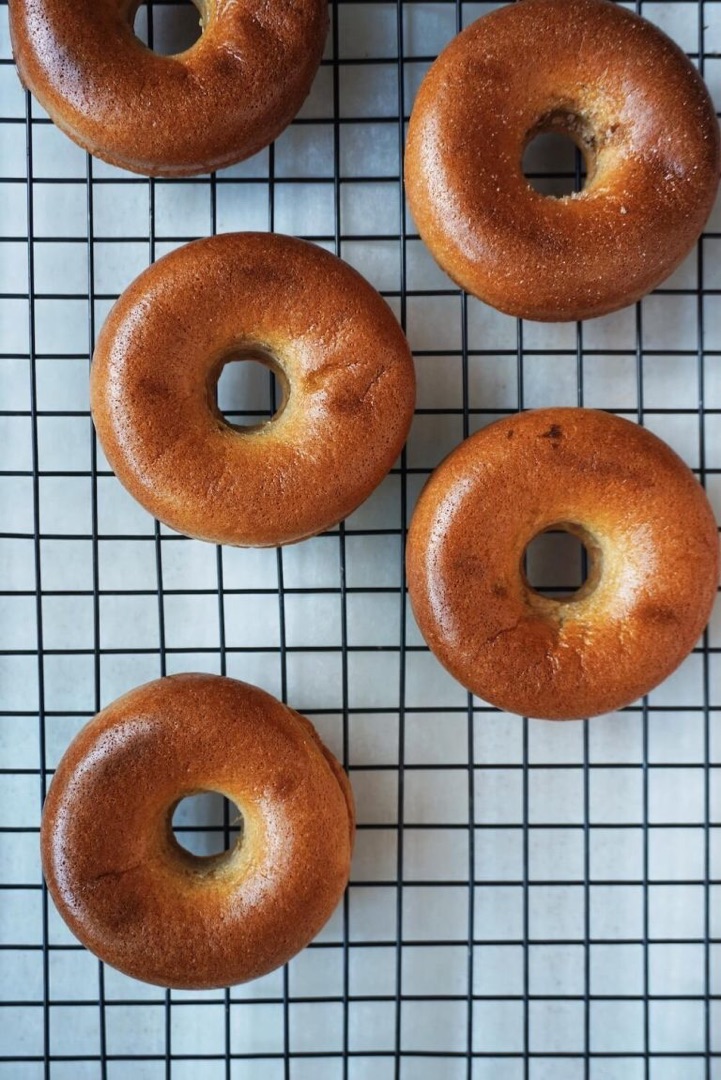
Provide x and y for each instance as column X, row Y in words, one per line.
column 633, row 103
column 653, row 546
column 345, row 364
column 221, row 101
column 148, row 907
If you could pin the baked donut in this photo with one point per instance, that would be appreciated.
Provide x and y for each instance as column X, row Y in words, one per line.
column 633, row 104
column 652, row 547
column 341, row 357
column 146, row 905
column 218, row 102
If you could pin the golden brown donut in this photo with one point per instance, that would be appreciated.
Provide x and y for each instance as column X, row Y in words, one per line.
column 630, row 100
column 222, row 100
column 653, row 554
column 340, row 355
column 146, row 905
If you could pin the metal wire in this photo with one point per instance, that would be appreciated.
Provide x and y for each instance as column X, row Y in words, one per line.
column 467, row 1049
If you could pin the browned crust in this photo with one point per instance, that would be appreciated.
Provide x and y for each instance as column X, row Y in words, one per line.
column 352, row 389
column 223, row 100
column 336, row 768
column 646, row 120
column 133, row 897
column 652, row 532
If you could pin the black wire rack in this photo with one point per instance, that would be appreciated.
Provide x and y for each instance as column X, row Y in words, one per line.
column 528, row 900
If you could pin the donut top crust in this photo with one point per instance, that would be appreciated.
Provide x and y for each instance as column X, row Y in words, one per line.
column 630, row 99
column 219, row 102
column 139, row 900
column 651, row 536
column 344, row 359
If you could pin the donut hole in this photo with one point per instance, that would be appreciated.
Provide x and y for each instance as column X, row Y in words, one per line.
column 169, row 29
column 557, row 154
column 206, row 824
column 558, row 564
column 251, row 389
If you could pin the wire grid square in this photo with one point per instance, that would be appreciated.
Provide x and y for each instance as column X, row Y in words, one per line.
column 527, row 900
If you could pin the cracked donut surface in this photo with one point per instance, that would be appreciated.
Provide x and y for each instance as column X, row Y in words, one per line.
column 149, row 907
column 634, row 105
column 652, row 547
column 341, row 358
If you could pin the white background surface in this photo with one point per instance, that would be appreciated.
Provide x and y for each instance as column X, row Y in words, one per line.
column 594, row 847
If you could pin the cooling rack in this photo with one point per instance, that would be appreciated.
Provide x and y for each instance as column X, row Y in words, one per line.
column 528, row 900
